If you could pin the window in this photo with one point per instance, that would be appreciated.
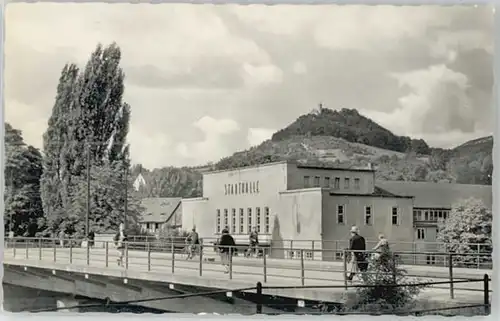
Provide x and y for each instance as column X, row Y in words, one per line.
column 257, row 213
column 336, row 184
column 225, row 189
column 226, row 219
column 147, row 226
column 395, row 216
column 340, row 214
column 253, row 187
column 233, row 221
column 426, row 216
column 368, row 215
column 266, row 220
column 308, row 255
column 431, row 259
column 246, row 187
column 257, row 186
column 242, row 221
column 326, row 182
column 420, row 234
column 232, row 190
column 316, row 181
column 346, row 182
column 157, row 226
column 356, row 183
column 306, row 181
column 218, row 221
column 445, row 215
column 249, row 215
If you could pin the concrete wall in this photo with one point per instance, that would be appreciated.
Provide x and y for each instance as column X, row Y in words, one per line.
column 196, row 212
column 296, row 179
column 298, row 219
column 227, row 191
column 399, row 236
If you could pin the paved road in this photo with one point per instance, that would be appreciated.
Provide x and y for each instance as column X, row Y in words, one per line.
column 283, row 272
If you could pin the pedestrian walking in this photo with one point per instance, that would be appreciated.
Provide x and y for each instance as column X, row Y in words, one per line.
column 226, row 244
column 120, row 239
column 357, row 245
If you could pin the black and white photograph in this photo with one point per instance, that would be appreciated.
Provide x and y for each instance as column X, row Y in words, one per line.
column 248, row 159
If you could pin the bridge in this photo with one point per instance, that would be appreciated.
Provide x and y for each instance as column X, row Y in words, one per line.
column 93, row 272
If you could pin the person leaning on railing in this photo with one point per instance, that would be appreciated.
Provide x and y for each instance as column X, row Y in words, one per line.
column 226, row 244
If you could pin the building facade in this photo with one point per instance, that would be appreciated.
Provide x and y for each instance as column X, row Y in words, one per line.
column 315, row 207
column 160, row 213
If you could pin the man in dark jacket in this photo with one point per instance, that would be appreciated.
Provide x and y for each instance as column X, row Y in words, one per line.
column 226, row 244
column 357, row 243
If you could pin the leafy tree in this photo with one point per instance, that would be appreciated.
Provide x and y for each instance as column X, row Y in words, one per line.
column 382, row 296
column 89, row 119
column 469, row 222
column 23, row 169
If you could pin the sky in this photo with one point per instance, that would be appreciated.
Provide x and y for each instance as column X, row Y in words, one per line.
column 204, row 81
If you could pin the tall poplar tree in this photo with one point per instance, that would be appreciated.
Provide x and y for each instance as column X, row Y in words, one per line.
column 96, row 126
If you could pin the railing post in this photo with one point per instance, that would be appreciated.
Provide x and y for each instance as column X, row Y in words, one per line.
column 478, row 256
column 450, row 271
column 55, row 250
column 258, row 290
column 486, row 287
column 344, row 256
column 172, row 248
column 126, row 255
column 148, row 244
column 302, row 269
column 200, row 247
column 88, row 253
column 106, row 253
column 14, row 249
column 264, row 261
column 230, row 263
column 291, row 249
column 39, row 249
column 394, row 272
column 27, row 250
column 312, row 249
column 70, row 251
column 414, row 248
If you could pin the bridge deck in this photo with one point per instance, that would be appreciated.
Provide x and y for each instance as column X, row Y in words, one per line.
column 245, row 272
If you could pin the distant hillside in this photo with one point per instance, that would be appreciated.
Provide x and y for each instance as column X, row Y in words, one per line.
column 351, row 126
column 344, row 139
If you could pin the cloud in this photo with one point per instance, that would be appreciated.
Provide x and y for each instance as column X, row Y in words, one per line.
column 259, row 135
column 235, row 71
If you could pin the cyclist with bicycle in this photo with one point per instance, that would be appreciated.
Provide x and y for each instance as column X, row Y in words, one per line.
column 193, row 241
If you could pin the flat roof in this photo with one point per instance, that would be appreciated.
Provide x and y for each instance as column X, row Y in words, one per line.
column 438, row 195
column 333, row 168
column 296, row 163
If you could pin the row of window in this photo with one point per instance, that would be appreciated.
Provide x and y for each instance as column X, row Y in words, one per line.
column 368, row 215
column 329, row 183
column 241, row 188
column 421, row 233
column 430, row 215
column 238, row 225
column 152, row 225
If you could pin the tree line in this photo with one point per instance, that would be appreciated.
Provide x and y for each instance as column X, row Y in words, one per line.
column 85, row 141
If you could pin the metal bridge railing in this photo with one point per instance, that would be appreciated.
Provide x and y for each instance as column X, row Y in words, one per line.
column 172, row 258
column 261, row 300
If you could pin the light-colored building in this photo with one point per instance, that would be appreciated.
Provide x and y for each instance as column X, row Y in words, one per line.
column 291, row 201
column 160, row 213
column 432, row 202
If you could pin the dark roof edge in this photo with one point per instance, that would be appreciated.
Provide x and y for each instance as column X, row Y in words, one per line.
column 371, row 195
column 299, row 165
